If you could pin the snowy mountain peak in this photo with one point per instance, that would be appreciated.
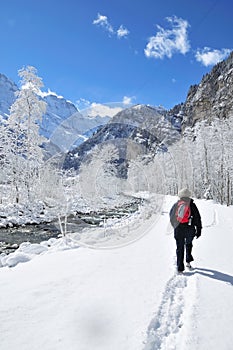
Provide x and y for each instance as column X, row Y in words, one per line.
column 138, row 107
column 50, row 93
column 139, row 115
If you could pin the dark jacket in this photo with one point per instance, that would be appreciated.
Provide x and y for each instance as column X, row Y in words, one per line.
column 196, row 217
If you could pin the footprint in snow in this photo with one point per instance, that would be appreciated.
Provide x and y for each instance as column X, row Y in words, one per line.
column 168, row 319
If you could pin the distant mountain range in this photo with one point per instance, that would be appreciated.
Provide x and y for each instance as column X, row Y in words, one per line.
column 138, row 130
column 151, row 128
column 66, row 128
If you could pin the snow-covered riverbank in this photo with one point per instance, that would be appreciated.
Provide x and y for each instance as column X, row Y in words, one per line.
column 130, row 298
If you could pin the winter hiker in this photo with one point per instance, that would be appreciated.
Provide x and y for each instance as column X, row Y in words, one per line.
column 186, row 221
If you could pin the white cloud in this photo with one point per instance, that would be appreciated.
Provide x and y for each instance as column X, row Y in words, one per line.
column 102, row 110
column 122, row 32
column 210, row 57
column 103, row 22
column 128, row 100
column 92, row 109
column 169, row 41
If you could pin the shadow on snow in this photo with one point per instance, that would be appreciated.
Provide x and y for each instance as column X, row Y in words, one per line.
column 217, row 275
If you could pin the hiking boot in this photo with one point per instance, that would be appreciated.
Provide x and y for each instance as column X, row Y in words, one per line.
column 188, row 265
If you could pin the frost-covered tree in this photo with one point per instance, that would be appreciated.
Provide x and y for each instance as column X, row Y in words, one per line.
column 4, row 161
column 203, row 160
column 4, row 142
column 221, row 134
column 212, row 160
column 169, row 165
column 98, row 176
column 25, row 115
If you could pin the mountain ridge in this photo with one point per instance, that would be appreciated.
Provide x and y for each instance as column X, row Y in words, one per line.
column 211, row 98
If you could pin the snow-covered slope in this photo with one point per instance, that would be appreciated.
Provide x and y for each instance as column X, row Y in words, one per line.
column 128, row 298
column 74, row 130
column 58, row 109
column 7, row 94
column 142, row 128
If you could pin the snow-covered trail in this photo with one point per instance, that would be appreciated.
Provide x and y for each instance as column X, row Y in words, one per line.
column 214, row 275
column 195, row 310
column 127, row 298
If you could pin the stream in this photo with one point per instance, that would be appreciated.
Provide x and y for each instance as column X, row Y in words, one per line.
column 12, row 237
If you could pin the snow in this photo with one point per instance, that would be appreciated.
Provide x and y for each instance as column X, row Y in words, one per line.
column 62, row 295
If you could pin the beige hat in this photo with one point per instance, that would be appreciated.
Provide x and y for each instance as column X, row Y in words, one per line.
column 184, row 192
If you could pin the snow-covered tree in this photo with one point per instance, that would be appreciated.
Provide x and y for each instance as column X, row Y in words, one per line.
column 25, row 115
column 4, row 142
column 203, row 160
column 221, row 163
column 98, row 175
column 4, row 161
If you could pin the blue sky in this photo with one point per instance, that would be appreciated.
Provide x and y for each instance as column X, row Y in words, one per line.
column 139, row 51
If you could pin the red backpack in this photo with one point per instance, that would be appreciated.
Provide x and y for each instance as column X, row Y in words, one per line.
column 183, row 211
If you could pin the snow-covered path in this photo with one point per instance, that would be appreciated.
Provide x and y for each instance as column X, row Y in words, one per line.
column 195, row 311
column 214, row 307
column 127, row 298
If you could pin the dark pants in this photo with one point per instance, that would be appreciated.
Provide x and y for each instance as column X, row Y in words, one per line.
column 184, row 235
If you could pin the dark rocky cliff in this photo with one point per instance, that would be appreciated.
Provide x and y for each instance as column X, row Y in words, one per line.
column 213, row 97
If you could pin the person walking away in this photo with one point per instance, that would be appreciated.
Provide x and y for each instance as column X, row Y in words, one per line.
column 186, row 221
